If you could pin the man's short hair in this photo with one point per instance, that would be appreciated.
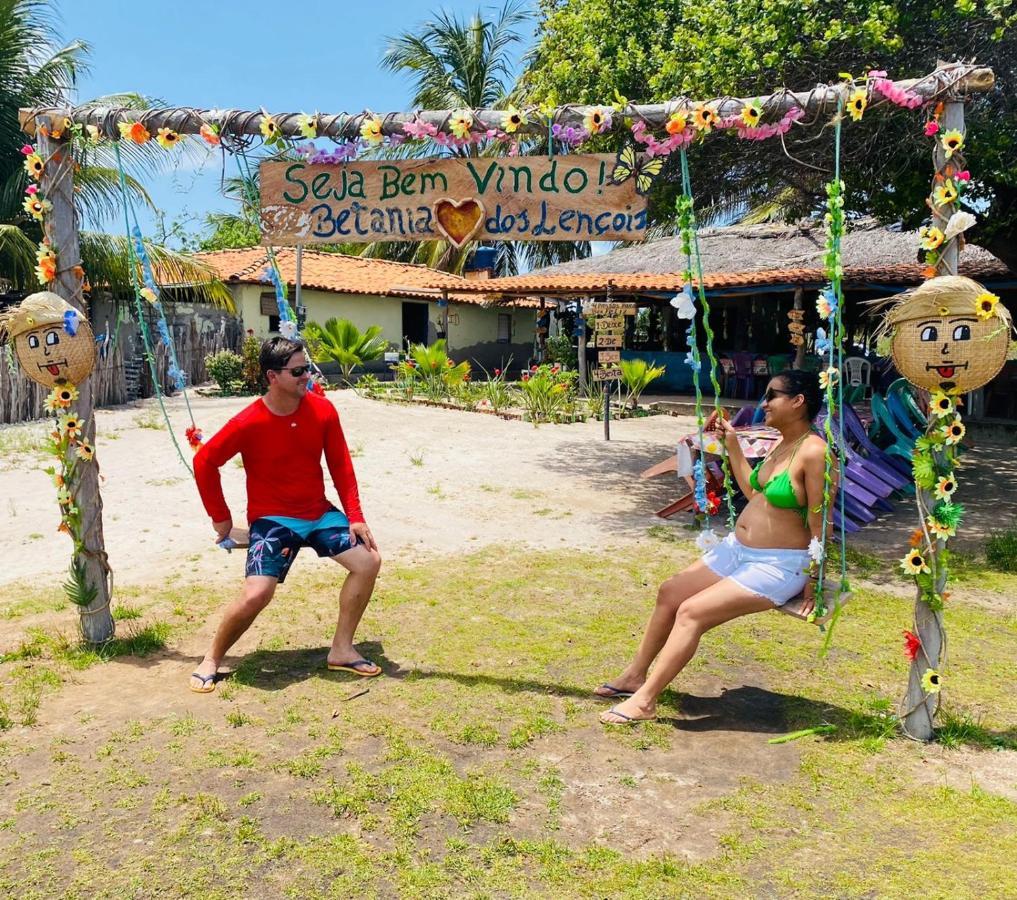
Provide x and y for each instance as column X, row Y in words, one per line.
column 276, row 352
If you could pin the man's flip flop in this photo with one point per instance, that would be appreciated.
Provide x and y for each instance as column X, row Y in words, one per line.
column 356, row 667
column 613, row 693
column 207, row 683
column 628, row 720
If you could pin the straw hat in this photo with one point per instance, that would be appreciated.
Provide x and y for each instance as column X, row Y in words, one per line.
column 949, row 334
column 53, row 342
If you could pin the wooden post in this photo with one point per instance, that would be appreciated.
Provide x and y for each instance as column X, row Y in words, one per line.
column 581, row 347
column 920, row 707
column 61, row 226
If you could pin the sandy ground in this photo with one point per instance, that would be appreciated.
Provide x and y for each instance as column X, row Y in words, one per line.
column 432, row 482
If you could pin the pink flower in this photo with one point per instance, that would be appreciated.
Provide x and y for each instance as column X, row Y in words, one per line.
column 28, row 149
column 497, row 372
column 526, row 376
column 931, row 128
column 533, row 368
column 32, row 189
column 418, row 129
column 964, row 175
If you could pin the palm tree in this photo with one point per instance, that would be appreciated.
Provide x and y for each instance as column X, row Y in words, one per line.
column 636, row 376
column 342, row 342
column 36, row 70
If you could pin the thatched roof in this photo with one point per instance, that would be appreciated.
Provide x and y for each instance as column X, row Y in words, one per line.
column 752, row 248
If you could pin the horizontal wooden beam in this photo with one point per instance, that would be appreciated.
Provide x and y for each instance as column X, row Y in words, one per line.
column 951, row 81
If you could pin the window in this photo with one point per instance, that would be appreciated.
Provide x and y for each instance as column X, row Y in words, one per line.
column 270, row 308
column 504, row 328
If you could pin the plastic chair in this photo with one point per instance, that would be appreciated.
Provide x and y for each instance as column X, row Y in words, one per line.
column 899, row 443
column 901, row 388
column 727, row 370
column 812, row 363
column 858, row 373
column 777, row 363
column 744, row 375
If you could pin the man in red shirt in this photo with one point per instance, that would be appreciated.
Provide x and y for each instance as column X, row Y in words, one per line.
column 281, row 438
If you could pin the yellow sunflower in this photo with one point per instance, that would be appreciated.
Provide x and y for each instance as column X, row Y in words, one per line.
column 932, row 682
column 34, row 165
column 856, row 104
column 828, row 377
column 371, row 131
column 703, row 117
column 945, row 194
column 939, row 530
column 953, row 141
column 941, row 404
column 308, row 126
column 513, row 120
column 930, row 237
column 751, row 113
column 167, row 138
column 914, row 563
column 269, row 128
column 597, row 120
column 985, row 305
column 945, row 487
column 84, row 451
column 955, row 431
column 461, row 123
column 64, row 395
column 36, row 207
column 70, row 424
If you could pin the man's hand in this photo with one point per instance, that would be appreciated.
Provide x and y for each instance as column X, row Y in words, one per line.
column 360, row 530
column 222, row 529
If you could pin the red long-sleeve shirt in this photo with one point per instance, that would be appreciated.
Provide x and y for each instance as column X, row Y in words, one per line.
column 282, row 461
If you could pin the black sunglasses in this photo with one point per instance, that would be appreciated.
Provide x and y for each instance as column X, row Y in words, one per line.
column 295, row 371
column 773, row 392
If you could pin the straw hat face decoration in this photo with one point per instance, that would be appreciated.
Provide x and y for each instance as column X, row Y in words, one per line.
column 53, row 343
column 949, row 334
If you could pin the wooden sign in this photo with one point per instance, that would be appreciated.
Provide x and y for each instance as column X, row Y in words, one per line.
column 611, row 341
column 613, row 309
column 606, row 374
column 518, row 198
column 608, row 356
column 611, row 323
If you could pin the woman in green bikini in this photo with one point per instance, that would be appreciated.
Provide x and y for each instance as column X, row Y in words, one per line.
column 768, row 559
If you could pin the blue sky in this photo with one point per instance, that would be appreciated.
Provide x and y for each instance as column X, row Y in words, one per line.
column 247, row 54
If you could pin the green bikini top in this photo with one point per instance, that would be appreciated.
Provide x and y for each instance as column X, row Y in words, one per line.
column 778, row 490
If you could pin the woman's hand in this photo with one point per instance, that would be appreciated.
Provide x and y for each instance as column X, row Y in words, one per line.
column 721, row 427
column 808, row 597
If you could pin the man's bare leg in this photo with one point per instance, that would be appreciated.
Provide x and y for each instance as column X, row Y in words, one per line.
column 363, row 565
column 236, row 619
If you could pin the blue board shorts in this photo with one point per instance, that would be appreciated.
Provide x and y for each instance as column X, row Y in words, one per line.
column 276, row 540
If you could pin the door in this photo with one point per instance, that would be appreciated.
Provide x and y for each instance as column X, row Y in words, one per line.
column 414, row 324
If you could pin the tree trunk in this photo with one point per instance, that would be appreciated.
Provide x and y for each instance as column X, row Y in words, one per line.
column 61, row 227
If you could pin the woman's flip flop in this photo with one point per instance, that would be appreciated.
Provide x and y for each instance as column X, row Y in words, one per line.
column 357, row 667
column 207, row 683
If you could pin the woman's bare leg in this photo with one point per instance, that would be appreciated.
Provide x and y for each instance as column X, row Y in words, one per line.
column 670, row 596
column 711, row 607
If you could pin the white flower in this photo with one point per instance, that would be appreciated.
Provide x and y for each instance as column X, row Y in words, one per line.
column 816, row 550
column 959, row 222
column 684, row 303
column 288, row 329
column 707, row 539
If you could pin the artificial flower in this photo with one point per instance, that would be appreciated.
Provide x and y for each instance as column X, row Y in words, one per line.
column 149, row 295
column 945, row 487
column 912, row 644
column 371, row 130
column 751, row 113
column 27, row 149
column 51, row 404
column 857, row 103
column 917, row 536
column 826, row 304
column 513, row 120
column 959, row 223
column 939, row 529
column 953, row 141
column 167, row 138
column 931, row 128
column 34, row 165
column 684, row 303
column 92, row 131
column 308, row 126
column 816, row 550
column 963, row 175
column 32, row 190
column 70, row 424
column 914, row 563
column 288, row 329
column 945, row 194
column 985, row 305
column 955, row 431
column 84, row 451
column 210, row 134
column 704, row 117
column 828, row 377
column 461, row 123
column 134, row 132
column 269, row 129
column 194, row 437
column 58, row 480
column 37, row 207
column 64, row 395
column 64, row 497
column 707, row 539
column 930, row 237
column 941, row 404
column 677, row 123
column 597, row 120
column 932, row 681
column 45, row 271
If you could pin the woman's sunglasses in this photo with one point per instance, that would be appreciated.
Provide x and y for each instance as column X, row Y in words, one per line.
column 295, row 371
column 773, row 392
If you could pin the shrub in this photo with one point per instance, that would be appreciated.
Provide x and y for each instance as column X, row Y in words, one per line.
column 433, row 370
column 249, row 352
column 1001, row 550
column 495, row 393
column 226, row 369
column 636, row 376
column 548, row 394
column 561, row 351
column 368, row 386
column 340, row 341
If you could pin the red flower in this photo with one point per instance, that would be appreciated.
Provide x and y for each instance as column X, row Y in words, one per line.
column 912, row 644
column 497, row 372
column 526, row 376
column 931, row 128
column 533, row 368
column 964, row 175
column 250, row 331
column 194, row 437
column 315, row 388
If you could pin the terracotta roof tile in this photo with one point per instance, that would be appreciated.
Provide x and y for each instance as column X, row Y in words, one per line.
column 338, row 273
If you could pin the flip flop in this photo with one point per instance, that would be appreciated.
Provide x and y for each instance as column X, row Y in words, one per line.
column 613, row 693
column 629, row 720
column 356, row 667
column 207, row 683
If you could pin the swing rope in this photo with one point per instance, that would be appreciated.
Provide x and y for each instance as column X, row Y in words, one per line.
column 134, row 263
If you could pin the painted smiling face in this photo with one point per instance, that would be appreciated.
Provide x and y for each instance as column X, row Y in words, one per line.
column 948, row 337
column 53, row 343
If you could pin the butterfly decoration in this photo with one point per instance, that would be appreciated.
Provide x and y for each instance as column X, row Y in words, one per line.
column 630, row 165
column 71, row 322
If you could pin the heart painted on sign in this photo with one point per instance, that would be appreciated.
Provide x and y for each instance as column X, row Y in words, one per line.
column 459, row 220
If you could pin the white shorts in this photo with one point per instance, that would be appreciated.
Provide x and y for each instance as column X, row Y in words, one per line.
column 772, row 572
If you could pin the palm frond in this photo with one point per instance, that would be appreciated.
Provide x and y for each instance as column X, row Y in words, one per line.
column 17, row 257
